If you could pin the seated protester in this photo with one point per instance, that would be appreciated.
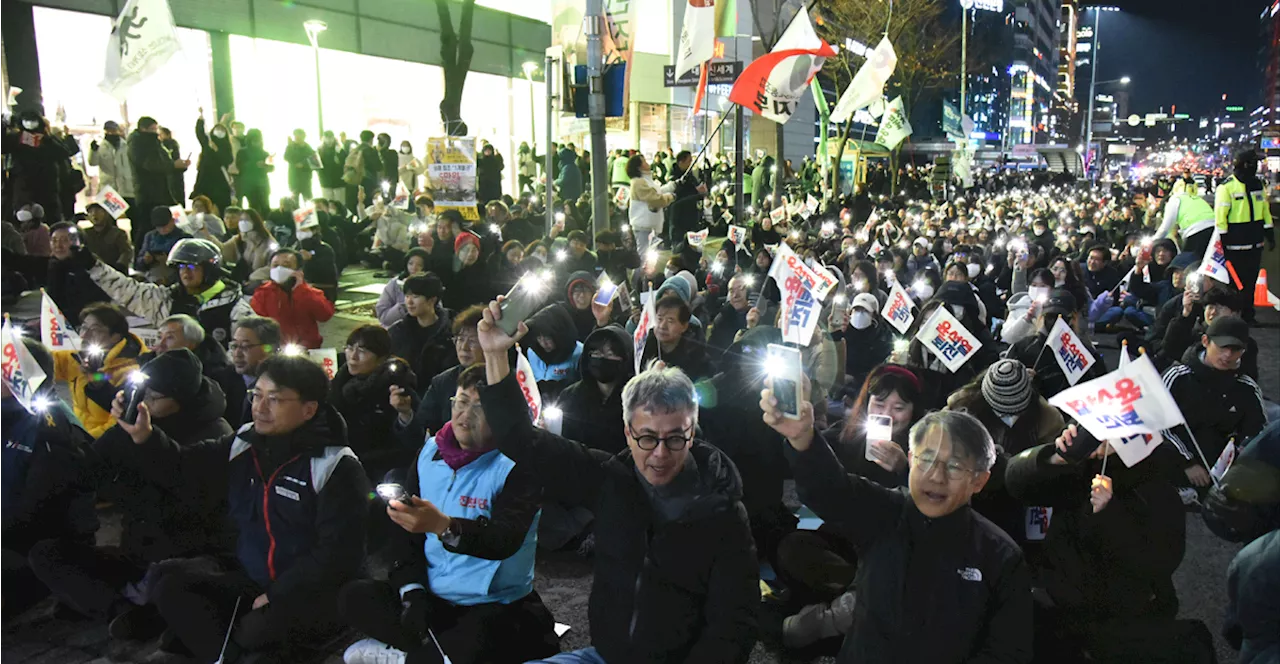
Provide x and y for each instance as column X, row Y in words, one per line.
column 1198, row 312
column 253, row 340
column 523, row 228
column 1100, row 276
column 319, row 266
column 891, row 391
column 553, row 350
column 448, row 227
column 1005, row 402
column 591, row 406
column 716, row 282
column 1219, row 401
column 462, row 556
column 281, row 223
column 1178, row 272
column 419, row 418
column 183, row 331
column 250, row 248
column 957, row 272
column 1067, row 275
column 390, row 306
column 423, row 338
column 109, row 355
column 669, row 343
column 506, row 266
column 465, row 280
column 580, row 290
column 359, row 393
column 1147, row 286
column 1025, row 303
column 863, row 337
column 732, row 318
column 288, row 298
column 614, row 258
column 106, row 239
column 201, row 291
column 154, row 250
column 1108, row 560
column 675, row 572
column 863, row 278
column 920, row 547
column 48, row 488
column 1049, row 377
column 69, row 284
column 160, row 521
column 204, row 215
column 391, row 240
column 285, row 578
column 939, row 382
column 578, row 258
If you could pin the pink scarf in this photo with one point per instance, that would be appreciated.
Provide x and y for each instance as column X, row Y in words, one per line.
column 451, row 451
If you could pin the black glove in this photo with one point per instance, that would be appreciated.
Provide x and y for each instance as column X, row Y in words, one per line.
column 416, row 612
column 1081, row 445
column 82, row 257
column 93, row 146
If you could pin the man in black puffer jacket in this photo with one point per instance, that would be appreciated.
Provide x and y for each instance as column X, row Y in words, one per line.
column 298, row 499
column 676, row 576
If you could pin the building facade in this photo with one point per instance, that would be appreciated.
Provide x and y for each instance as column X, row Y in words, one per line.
column 1033, row 71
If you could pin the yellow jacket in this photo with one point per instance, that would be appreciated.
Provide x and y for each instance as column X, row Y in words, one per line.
column 91, row 394
column 1241, row 215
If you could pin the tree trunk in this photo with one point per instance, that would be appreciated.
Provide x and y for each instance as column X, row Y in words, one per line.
column 835, row 170
column 779, row 165
column 455, row 52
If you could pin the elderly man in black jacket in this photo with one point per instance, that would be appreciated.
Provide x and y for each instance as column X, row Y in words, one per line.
column 675, row 576
column 152, row 168
column 297, row 497
column 936, row 581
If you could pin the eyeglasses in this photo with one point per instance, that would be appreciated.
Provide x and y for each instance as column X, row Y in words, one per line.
column 465, row 406
column 233, row 346
column 272, row 399
column 466, row 340
column 357, row 350
column 953, row 470
column 648, row 442
column 93, row 329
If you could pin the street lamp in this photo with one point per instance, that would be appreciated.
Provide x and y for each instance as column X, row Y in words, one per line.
column 314, row 27
column 529, row 67
column 1093, row 74
column 1124, row 80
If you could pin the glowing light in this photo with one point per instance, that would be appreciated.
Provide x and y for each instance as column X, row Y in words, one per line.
column 273, row 246
column 626, row 228
column 42, row 404
column 651, row 256
column 901, row 346
column 138, row 377
column 774, row 366
column 559, row 217
column 293, row 350
column 839, row 300
column 561, row 254
column 749, row 280
column 552, row 412
column 717, row 268
column 495, row 229
column 93, row 350
column 794, row 235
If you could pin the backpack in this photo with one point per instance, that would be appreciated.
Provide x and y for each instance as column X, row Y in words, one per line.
column 353, row 167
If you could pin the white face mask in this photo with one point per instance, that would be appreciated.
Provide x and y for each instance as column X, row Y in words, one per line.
column 668, row 273
column 281, row 274
column 860, row 320
column 1010, row 419
column 218, row 133
column 974, row 270
column 245, row 225
column 406, row 150
column 305, row 235
column 30, row 124
column 1038, row 293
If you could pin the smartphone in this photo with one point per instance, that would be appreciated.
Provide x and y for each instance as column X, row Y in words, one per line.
column 521, row 302
column 134, row 392
column 879, row 427
column 1082, row 445
column 604, row 296
column 390, row 492
column 784, row 366
column 1144, row 252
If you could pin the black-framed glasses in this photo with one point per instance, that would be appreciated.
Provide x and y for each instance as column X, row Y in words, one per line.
column 953, row 470
column 233, row 346
column 649, row 442
column 465, row 406
column 272, row 399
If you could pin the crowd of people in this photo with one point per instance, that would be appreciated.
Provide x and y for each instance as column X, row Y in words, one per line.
column 268, row 509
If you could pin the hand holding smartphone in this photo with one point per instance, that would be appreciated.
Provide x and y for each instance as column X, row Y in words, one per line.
column 784, row 366
column 521, row 301
column 390, row 491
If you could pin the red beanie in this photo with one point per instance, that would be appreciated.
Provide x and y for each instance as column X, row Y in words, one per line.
column 464, row 238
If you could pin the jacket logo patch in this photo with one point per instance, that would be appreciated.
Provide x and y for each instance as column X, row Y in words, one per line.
column 294, row 480
column 291, row 495
column 15, row 445
column 472, row 501
column 970, row 573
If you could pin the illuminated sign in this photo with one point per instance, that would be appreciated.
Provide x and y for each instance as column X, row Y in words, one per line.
column 1084, row 47
column 985, row 5
column 1228, row 125
column 1271, row 143
column 1235, row 109
column 1084, row 33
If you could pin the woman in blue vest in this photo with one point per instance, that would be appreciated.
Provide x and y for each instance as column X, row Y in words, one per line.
column 553, row 350
column 471, row 520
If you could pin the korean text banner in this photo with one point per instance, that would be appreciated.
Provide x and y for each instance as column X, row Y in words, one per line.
column 897, row 309
column 451, row 174
column 1130, row 400
column 1069, row 351
column 948, row 339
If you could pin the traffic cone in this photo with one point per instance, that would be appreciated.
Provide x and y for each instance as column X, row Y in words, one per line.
column 1262, row 297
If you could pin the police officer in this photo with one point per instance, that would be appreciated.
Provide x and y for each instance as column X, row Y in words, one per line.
column 1243, row 216
column 1192, row 215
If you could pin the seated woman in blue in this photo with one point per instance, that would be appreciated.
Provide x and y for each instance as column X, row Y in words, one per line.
column 553, row 350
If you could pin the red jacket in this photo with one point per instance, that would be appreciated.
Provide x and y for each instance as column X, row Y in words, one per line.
column 299, row 311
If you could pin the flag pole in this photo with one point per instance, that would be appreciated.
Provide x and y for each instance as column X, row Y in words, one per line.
column 1208, row 468
column 703, row 150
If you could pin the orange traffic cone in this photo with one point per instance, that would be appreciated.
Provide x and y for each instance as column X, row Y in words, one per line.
column 1262, row 297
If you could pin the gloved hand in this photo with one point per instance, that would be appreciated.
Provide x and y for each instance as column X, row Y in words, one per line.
column 82, row 257
column 1076, row 444
column 415, row 612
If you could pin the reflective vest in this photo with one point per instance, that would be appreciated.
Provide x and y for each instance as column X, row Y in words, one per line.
column 1241, row 215
column 1194, row 215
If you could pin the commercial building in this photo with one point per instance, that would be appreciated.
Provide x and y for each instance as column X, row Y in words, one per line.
column 1066, row 109
column 1034, row 64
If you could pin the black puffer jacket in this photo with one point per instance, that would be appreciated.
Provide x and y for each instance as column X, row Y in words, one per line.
column 681, row 591
column 590, row 417
column 365, row 404
column 152, row 167
column 428, row 350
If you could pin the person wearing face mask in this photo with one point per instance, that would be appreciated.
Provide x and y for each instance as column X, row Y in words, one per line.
column 938, row 380
column 303, row 162
column 408, row 168
column 298, row 306
column 319, row 262
column 1024, row 305
column 332, row 156
column 868, row 338
column 250, row 248
column 647, row 202
column 37, row 157
column 216, row 156
column 154, row 251
column 111, row 156
column 204, row 216
column 153, row 167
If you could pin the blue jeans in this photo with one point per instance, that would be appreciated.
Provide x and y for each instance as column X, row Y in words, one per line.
column 1129, row 308
column 584, row 656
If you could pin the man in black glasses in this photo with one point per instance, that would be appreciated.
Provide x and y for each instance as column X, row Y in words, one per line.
column 676, row 576
column 253, row 340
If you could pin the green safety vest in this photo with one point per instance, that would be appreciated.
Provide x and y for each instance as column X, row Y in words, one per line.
column 1194, row 215
column 1241, row 215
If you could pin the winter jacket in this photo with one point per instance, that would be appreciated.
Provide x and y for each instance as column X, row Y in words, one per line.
column 212, row 307
column 568, row 180
column 616, row 263
column 1182, row 334
column 298, row 502
column 466, row 286
column 427, row 350
column 1116, row 564
column 92, row 393
column 157, row 244
column 681, row 590
column 251, row 162
column 392, row 231
column 161, row 523
column 110, row 244
column 689, row 355
column 1101, row 281
column 365, row 405
column 726, row 326
column 152, row 166
column 1218, row 406
column 114, row 168
column 557, row 369
column 866, row 349
column 332, row 157
column 1253, row 582
column 1248, row 502
column 47, row 487
column 251, row 254
column 37, row 160
column 299, row 157
column 216, row 156
column 489, row 177
column 947, row 590
column 1049, row 375
column 647, row 201
column 71, row 288
column 299, row 309
column 390, row 305
column 592, row 418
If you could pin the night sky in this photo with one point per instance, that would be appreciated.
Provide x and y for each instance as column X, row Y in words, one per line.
column 1184, row 52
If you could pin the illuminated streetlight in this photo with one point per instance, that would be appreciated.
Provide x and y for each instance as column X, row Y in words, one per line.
column 314, row 27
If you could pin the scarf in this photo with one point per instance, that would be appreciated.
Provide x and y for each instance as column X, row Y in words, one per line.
column 451, row 451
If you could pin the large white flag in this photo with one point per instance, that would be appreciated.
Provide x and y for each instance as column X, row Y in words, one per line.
column 1139, row 446
column 54, row 330
column 1069, row 351
column 894, row 127
column 868, row 84
column 21, row 373
column 697, row 35
column 142, row 40
column 1127, row 401
column 1214, row 263
column 773, row 84
column 803, row 289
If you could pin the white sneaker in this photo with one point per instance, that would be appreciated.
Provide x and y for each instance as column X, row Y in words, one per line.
column 372, row 651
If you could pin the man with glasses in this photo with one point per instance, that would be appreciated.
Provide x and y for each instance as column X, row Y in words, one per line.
column 418, row 417
column 936, row 581
column 469, row 515
column 676, row 577
column 254, row 339
column 297, row 499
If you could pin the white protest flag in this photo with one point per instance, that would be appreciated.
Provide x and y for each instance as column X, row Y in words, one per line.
column 20, row 372
column 1214, row 263
column 305, row 217
column 184, row 222
column 401, row 201
column 773, row 84
column 1130, row 400
column 778, row 215
column 111, row 201
column 697, row 239
column 738, row 236
column 143, row 39
column 948, row 339
column 876, row 109
column 697, row 35
column 1069, row 351
column 54, row 331
column 641, row 335
column 868, row 84
column 802, row 289
column 897, row 309
column 327, row 358
column 787, row 264
column 894, row 127
column 1139, row 446
column 529, row 388
column 810, row 204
